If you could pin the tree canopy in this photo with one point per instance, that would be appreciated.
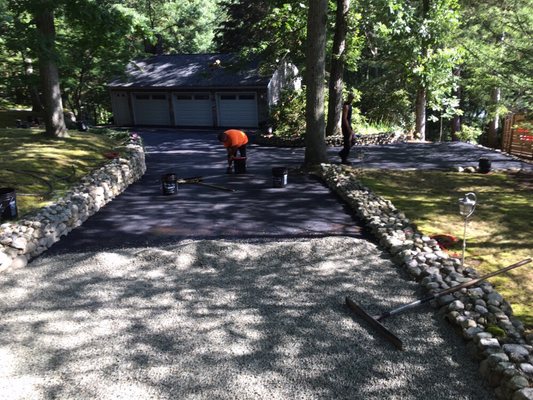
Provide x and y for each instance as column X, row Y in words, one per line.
column 409, row 61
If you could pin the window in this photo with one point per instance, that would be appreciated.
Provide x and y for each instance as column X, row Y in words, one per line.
column 142, row 97
column 201, row 97
column 228, row 97
column 246, row 97
column 183, row 97
column 159, row 97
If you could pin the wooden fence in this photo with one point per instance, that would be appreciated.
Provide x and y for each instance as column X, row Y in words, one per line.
column 518, row 136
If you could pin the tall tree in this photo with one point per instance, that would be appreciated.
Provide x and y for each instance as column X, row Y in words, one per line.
column 338, row 56
column 177, row 26
column 53, row 106
column 498, row 53
column 412, row 52
column 315, row 143
column 92, row 53
column 239, row 27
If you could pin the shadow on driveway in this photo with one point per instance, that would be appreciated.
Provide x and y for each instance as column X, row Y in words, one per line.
column 143, row 216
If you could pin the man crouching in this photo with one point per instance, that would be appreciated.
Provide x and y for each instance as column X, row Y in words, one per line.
column 233, row 140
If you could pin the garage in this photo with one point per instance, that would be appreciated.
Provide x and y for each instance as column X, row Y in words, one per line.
column 192, row 109
column 237, row 109
column 121, row 108
column 198, row 90
column 151, row 109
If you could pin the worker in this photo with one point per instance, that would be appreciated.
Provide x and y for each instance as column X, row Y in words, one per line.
column 347, row 131
column 233, row 140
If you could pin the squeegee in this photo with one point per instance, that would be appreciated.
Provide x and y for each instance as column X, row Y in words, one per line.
column 375, row 320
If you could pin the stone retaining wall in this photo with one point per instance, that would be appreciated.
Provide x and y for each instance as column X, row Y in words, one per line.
column 33, row 234
column 334, row 141
column 506, row 360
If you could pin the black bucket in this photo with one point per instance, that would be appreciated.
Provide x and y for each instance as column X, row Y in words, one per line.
column 168, row 184
column 279, row 176
column 239, row 165
column 8, row 204
column 484, row 165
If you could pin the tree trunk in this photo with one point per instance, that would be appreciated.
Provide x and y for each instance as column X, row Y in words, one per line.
column 420, row 125
column 315, row 143
column 337, row 69
column 53, row 107
column 494, row 125
column 456, row 120
column 36, row 104
column 421, row 94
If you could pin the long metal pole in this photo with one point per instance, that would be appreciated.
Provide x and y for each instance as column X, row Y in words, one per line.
column 464, row 244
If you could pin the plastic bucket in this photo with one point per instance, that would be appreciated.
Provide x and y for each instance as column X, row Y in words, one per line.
column 168, row 184
column 484, row 165
column 279, row 176
column 239, row 165
column 8, row 204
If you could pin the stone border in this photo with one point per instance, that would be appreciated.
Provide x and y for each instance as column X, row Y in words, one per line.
column 333, row 141
column 33, row 234
column 506, row 361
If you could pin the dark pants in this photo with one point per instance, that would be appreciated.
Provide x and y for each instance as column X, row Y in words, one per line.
column 346, row 145
column 242, row 150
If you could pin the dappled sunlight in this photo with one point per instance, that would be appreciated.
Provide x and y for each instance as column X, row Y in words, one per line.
column 142, row 214
column 41, row 168
column 205, row 317
column 498, row 233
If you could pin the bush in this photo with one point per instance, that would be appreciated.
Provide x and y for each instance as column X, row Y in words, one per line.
column 469, row 134
column 122, row 136
column 288, row 116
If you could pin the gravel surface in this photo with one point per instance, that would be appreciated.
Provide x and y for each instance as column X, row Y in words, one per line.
column 223, row 320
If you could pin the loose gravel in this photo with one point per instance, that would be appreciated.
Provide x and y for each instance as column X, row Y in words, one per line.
column 223, row 320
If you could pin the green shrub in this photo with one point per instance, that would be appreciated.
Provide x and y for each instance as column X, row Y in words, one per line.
column 469, row 134
column 288, row 116
column 122, row 136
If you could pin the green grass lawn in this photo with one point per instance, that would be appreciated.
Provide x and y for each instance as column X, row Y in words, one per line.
column 498, row 234
column 42, row 168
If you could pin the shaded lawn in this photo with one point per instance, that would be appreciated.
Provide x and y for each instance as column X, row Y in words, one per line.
column 42, row 168
column 498, row 234
column 8, row 118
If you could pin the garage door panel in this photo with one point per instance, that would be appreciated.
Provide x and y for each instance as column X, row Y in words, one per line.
column 237, row 109
column 151, row 109
column 121, row 110
column 192, row 109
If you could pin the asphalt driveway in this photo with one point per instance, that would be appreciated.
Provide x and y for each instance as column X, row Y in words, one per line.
column 433, row 156
column 304, row 208
column 142, row 215
column 211, row 294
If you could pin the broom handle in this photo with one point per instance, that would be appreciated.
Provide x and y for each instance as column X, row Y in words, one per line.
column 451, row 290
column 215, row 186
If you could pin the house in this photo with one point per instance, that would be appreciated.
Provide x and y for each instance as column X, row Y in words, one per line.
column 197, row 90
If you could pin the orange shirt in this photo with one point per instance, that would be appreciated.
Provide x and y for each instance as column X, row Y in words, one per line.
column 236, row 138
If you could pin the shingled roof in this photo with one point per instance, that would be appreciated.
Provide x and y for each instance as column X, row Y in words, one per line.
column 191, row 71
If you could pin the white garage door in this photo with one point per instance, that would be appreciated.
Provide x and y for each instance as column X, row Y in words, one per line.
column 151, row 109
column 237, row 109
column 192, row 109
column 121, row 109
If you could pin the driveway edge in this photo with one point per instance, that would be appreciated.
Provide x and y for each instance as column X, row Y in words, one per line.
column 506, row 361
column 35, row 233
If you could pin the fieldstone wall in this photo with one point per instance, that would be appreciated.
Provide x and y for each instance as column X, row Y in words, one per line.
column 22, row 240
column 334, row 141
column 480, row 314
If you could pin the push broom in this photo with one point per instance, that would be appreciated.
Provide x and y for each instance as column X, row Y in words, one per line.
column 375, row 321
